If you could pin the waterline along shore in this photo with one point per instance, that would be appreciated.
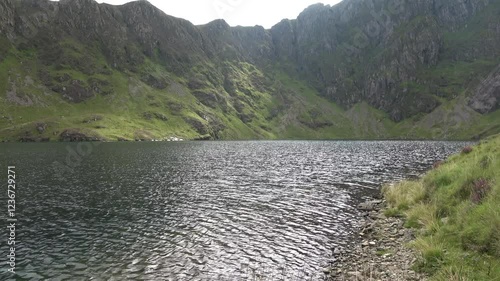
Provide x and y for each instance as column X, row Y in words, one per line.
column 443, row 226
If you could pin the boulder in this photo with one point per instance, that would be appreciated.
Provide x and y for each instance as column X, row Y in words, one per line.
column 41, row 127
column 73, row 135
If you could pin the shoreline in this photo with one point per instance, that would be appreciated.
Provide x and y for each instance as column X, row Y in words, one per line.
column 445, row 224
column 122, row 140
column 381, row 252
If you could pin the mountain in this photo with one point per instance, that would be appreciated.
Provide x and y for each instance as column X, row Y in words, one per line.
column 78, row 70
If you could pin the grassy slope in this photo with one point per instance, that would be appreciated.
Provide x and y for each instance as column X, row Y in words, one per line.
column 285, row 108
column 299, row 112
column 121, row 110
column 458, row 235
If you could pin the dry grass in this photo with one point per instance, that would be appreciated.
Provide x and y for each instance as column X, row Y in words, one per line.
column 453, row 273
column 404, row 194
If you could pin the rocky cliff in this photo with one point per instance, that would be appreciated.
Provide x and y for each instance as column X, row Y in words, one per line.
column 378, row 50
column 150, row 75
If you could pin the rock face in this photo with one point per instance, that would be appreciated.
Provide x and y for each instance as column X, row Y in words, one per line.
column 487, row 95
column 374, row 50
column 395, row 55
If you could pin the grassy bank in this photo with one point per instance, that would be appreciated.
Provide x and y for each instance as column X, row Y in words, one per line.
column 455, row 210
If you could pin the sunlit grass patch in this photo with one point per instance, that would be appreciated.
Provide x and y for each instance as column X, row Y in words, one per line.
column 404, row 194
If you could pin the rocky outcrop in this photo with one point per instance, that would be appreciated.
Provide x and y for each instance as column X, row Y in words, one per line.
column 155, row 115
column 30, row 138
column 7, row 19
column 74, row 135
column 41, row 127
column 74, row 91
column 369, row 50
column 486, row 97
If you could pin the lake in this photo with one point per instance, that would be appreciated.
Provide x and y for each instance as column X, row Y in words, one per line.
column 249, row 210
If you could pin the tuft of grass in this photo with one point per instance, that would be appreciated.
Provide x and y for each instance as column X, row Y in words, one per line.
column 454, row 273
column 480, row 229
column 404, row 194
column 423, row 216
column 432, row 255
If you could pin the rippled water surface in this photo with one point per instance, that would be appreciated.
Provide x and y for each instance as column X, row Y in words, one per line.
column 197, row 210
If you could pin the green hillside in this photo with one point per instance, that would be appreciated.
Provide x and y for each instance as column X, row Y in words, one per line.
column 79, row 70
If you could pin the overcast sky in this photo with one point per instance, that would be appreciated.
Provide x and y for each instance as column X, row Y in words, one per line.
column 236, row 12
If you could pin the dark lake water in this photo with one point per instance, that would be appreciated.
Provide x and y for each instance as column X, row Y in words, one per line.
column 196, row 210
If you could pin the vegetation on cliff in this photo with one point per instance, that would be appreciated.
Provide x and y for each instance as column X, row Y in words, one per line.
column 455, row 209
column 359, row 69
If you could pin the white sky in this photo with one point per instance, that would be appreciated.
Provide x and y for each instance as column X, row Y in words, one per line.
column 236, row 12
